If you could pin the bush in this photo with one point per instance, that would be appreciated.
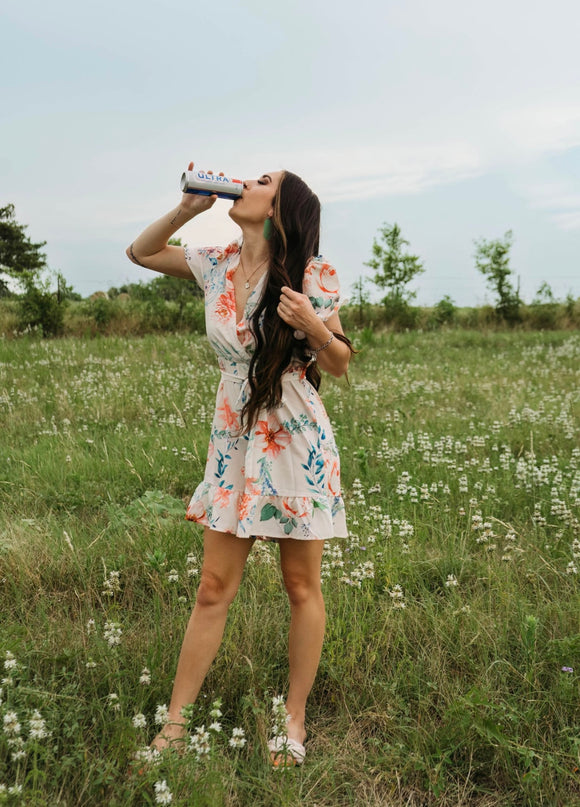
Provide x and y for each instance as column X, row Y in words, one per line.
column 39, row 307
column 444, row 312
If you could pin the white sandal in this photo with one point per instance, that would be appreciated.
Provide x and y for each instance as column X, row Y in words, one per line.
column 286, row 748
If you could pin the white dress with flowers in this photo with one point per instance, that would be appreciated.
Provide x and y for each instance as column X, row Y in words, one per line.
column 282, row 478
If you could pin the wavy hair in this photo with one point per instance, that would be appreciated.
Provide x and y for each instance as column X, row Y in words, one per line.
column 293, row 243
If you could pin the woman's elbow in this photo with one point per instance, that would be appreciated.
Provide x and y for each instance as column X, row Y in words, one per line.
column 129, row 252
column 339, row 369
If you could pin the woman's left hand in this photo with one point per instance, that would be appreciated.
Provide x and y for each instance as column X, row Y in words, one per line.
column 296, row 310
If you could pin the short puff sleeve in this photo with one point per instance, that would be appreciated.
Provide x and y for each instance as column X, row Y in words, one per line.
column 202, row 260
column 322, row 288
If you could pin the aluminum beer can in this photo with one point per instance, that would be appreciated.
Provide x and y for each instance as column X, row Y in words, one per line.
column 207, row 184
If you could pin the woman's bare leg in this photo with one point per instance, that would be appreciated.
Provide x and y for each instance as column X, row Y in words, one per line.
column 300, row 562
column 224, row 559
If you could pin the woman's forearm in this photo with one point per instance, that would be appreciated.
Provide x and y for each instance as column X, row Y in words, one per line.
column 334, row 358
column 154, row 238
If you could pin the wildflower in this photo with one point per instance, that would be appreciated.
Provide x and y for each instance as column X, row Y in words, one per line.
column 237, row 740
column 217, row 727
column 199, row 742
column 10, row 662
column 568, row 669
column 113, row 700
column 91, row 626
column 15, row 790
column 161, row 715
column 281, row 716
column 571, row 568
column 173, row 576
column 111, row 584
column 162, row 793
column 37, row 726
column 112, row 633
column 90, row 665
column 139, row 721
column 147, row 754
column 11, row 724
column 216, row 711
column 397, row 597
column 451, row 581
column 145, row 677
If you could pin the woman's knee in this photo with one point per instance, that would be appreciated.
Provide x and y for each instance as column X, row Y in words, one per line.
column 301, row 589
column 214, row 590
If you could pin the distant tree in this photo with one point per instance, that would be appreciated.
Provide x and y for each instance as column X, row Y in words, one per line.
column 394, row 269
column 362, row 297
column 18, row 254
column 492, row 259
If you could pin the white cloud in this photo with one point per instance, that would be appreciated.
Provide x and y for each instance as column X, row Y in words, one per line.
column 542, row 127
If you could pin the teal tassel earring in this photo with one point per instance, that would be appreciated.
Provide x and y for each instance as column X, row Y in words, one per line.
column 268, row 229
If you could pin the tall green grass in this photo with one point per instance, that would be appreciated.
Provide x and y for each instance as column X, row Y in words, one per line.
column 452, row 609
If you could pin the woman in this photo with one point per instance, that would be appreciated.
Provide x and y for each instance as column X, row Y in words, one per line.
column 272, row 470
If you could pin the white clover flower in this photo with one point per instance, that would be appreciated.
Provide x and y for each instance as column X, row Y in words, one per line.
column 162, row 793
column 139, row 721
column 112, row 633
column 161, row 715
column 11, row 724
column 451, row 581
column 238, row 739
column 37, row 726
column 145, row 676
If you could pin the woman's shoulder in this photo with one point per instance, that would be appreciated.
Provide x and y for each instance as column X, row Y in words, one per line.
column 321, row 275
column 321, row 284
column 220, row 253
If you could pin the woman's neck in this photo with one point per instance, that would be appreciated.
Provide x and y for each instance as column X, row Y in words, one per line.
column 254, row 246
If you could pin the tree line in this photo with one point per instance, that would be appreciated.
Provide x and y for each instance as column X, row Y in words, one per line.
column 23, row 262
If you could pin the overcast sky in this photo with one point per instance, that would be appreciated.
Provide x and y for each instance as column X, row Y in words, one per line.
column 458, row 120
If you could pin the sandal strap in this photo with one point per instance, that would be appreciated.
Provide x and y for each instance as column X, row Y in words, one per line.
column 282, row 743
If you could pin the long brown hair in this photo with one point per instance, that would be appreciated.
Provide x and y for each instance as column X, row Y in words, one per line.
column 293, row 242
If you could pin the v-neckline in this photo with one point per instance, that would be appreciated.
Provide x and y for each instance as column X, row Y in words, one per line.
column 250, row 295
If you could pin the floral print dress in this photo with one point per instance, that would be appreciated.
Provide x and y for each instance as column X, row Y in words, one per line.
column 282, row 478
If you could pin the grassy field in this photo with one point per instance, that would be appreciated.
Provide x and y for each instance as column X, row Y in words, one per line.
column 450, row 671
